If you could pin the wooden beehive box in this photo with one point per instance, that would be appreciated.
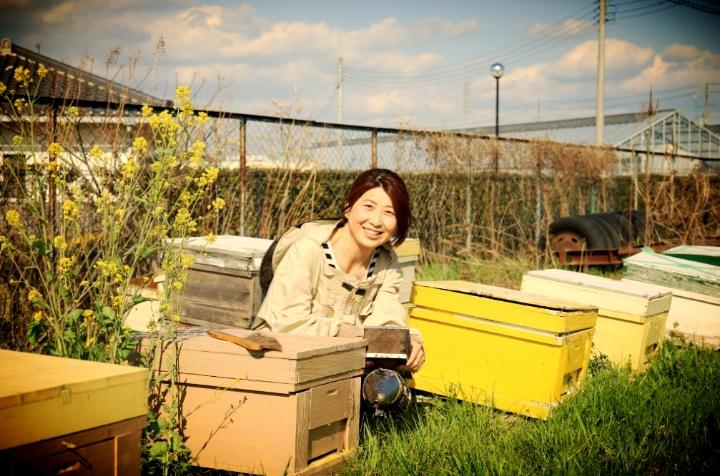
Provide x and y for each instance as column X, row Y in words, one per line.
column 631, row 316
column 693, row 316
column 294, row 410
column 66, row 414
column 693, row 276
column 515, row 351
column 408, row 256
column 223, row 285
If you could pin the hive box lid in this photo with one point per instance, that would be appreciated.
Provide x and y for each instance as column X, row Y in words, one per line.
column 679, row 273
column 607, row 294
column 303, row 362
column 504, row 305
column 409, row 247
column 227, row 251
column 42, row 396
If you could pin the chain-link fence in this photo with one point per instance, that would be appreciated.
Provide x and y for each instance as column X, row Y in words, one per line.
column 480, row 194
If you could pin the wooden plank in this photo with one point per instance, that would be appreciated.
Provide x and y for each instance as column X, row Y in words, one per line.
column 410, row 247
column 302, row 432
column 606, row 294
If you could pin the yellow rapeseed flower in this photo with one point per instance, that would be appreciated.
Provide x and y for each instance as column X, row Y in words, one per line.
column 59, row 242
column 72, row 111
column 201, row 118
column 64, row 265
column 55, row 149
column 33, row 294
column 218, row 204
column 37, row 317
column 130, row 168
column 42, row 71
column 211, row 238
column 17, row 140
column 3, row 88
column 146, row 110
column 87, row 313
column 12, row 217
column 84, row 283
column 140, row 144
column 70, row 209
column 22, row 75
column 117, row 301
column 53, row 167
column 95, row 152
column 20, row 105
column 4, row 243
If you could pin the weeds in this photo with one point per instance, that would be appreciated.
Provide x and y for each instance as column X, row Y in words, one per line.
column 665, row 420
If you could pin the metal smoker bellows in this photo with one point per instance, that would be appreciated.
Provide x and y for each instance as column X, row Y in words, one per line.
column 383, row 388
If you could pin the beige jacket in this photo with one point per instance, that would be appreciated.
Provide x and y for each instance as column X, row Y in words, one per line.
column 307, row 296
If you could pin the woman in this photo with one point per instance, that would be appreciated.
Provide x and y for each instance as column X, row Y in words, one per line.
column 337, row 277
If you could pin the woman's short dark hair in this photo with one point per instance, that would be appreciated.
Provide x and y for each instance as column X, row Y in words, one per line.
column 394, row 186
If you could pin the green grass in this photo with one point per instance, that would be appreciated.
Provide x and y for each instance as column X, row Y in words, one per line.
column 663, row 421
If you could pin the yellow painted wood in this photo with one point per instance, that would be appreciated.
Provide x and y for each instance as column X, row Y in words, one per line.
column 44, row 397
column 515, row 369
column 409, row 247
column 608, row 295
column 504, row 305
column 628, row 341
column 630, row 314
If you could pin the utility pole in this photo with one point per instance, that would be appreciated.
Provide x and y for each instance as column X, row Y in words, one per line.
column 706, row 108
column 340, row 106
column 600, row 107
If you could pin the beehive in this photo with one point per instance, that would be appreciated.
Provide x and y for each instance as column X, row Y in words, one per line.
column 408, row 255
column 631, row 316
column 295, row 410
column 223, row 285
column 515, row 351
column 693, row 316
column 65, row 414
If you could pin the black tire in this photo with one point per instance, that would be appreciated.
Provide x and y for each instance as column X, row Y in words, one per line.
column 612, row 222
column 593, row 234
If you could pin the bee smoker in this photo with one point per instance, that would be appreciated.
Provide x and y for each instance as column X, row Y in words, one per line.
column 383, row 389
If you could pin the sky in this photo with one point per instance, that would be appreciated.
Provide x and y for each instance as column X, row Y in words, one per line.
column 420, row 64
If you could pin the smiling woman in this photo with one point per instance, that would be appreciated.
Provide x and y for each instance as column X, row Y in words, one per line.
column 337, row 277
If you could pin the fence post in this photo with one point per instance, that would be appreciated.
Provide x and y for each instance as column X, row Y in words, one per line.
column 242, row 172
column 538, row 196
column 373, row 151
column 468, row 200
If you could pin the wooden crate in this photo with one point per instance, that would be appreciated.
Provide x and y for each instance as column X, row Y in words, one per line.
column 408, row 255
column 223, row 286
column 693, row 316
column 59, row 413
column 631, row 316
column 512, row 350
column 294, row 410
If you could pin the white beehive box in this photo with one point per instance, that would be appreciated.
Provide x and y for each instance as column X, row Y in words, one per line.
column 223, row 285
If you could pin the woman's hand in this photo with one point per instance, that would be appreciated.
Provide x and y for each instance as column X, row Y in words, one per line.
column 417, row 356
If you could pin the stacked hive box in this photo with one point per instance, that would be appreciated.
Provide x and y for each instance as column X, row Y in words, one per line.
column 631, row 316
column 274, row 412
column 67, row 416
column 408, row 255
column 223, row 285
column 513, row 350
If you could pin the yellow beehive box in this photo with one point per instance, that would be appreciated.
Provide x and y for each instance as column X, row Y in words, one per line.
column 292, row 411
column 53, row 409
column 631, row 316
column 513, row 350
column 408, row 256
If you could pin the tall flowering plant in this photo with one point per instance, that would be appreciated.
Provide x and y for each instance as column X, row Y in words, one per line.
column 80, row 254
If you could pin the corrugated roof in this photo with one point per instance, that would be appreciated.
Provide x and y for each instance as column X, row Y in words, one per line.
column 66, row 82
column 618, row 128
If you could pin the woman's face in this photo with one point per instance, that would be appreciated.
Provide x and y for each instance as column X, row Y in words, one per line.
column 371, row 220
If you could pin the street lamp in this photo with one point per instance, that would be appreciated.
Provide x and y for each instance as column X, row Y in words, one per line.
column 497, row 71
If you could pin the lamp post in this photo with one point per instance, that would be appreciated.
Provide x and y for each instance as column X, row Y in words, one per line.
column 497, row 71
